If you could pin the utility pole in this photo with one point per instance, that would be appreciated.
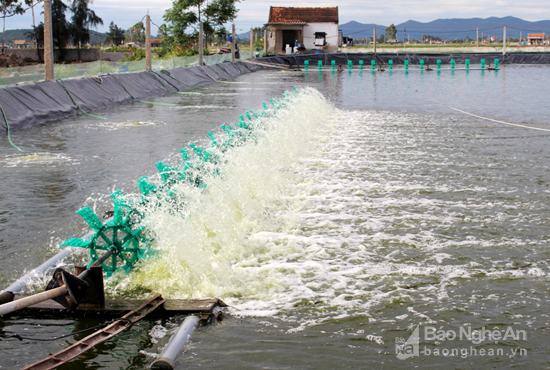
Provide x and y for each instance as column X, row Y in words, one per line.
column 48, row 42
column 520, row 37
column 148, row 42
column 504, row 42
column 233, row 42
column 201, row 44
column 265, row 41
column 251, row 43
column 477, row 37
column 374, row 41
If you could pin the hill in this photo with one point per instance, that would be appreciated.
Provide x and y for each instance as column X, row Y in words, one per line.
column 15, row 35
column 96, row 38
column 454, row 28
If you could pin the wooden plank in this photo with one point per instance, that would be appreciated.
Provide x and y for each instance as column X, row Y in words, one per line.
column 98, row 337
column 119, row 307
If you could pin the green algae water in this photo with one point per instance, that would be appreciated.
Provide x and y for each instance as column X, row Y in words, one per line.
column 366, row 226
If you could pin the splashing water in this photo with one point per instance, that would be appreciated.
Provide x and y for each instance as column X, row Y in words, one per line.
column 211, row 236
column 331, row 214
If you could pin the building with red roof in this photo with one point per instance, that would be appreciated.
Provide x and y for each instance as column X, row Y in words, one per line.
column 314, row 28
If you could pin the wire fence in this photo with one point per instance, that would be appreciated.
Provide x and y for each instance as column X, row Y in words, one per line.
column 35, row 73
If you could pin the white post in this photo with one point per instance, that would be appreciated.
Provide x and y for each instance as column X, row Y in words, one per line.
column 504, row 44
column 233, row 42
column 477, row 37
column 48, row 41
column 201, row 44
column 148, row 42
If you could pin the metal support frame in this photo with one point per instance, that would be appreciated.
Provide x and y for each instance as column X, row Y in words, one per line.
column 58, row 291
column 98, row 337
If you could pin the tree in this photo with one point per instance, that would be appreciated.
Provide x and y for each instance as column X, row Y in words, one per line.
column 136, row 33
column 258, row 36
column 186, row 14
column 162, row 31
column 115, row 36
column 60, row 27
column 83, row 18
column 37, row 34
column 10, row 8
column 391, row 33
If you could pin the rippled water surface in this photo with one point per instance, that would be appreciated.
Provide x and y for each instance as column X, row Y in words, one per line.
column 369, row 205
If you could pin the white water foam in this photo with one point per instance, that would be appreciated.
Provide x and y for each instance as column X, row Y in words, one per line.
column 37, row 159
column 322, row 212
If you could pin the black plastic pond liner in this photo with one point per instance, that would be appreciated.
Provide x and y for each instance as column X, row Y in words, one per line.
column 413, row 58
column 29, row 105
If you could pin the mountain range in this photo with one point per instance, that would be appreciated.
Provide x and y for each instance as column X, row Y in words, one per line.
column 450, row 29
column 96, row 38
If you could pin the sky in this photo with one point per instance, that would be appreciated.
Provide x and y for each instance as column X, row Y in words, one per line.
column 254, row 13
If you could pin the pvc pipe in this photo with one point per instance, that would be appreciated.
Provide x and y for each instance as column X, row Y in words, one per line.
column 48, row 294
column 17, row 286
column 33, row 299
column 176, row 344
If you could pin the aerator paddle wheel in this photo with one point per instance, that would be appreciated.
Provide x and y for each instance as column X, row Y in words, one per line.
column 120, row 242
column 118, row 234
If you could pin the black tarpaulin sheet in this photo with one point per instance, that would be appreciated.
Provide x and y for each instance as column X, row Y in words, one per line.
column 221, row 72
column 29, row 105
column 33, row 104
column 93, row 94
column 190, row 77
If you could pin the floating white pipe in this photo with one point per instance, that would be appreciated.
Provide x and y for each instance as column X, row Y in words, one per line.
column 176, row 344
column 17, row 286
column 9, row 307
column 18, row 304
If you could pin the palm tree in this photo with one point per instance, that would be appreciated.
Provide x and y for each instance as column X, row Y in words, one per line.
column 83, row 18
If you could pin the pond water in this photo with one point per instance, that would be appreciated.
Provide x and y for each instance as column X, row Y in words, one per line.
column 367, row 213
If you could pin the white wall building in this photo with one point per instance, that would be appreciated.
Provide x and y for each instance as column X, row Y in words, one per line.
column 315, row 28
